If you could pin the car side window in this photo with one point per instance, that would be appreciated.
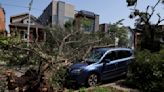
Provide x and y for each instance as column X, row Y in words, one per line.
column 123, row 54
column 111, row 56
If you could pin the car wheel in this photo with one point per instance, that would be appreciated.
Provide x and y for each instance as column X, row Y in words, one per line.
column 92, row 80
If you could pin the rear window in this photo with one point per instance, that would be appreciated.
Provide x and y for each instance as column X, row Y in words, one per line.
column 118, row 54
column 123, row 54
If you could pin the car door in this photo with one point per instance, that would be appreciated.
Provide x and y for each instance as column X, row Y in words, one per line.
column 123, row 58
column 109, row 68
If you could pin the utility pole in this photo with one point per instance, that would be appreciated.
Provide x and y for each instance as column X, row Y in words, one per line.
column 29, row 23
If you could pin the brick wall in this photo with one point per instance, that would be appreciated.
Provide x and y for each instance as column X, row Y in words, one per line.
column 2, row 20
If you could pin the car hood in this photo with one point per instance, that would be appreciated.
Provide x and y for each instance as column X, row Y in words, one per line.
column 78, row 66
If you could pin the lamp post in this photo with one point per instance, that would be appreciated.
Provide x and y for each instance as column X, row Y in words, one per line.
column 29, row 23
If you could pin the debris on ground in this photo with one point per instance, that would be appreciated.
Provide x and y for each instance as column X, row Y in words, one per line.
column 30, row 81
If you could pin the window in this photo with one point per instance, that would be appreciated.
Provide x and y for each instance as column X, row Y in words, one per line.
column 27, row 21
column 22, row 34
column 94, row 55
column 25, row 35
column 114, row 55
column 123, row 54
column 111, row 56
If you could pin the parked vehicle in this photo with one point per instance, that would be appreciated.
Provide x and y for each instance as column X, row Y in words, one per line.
column 101, row 64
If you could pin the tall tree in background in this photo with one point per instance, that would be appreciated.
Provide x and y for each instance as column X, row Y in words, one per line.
column 86, row 24
column 119, row 34
column 144, row 24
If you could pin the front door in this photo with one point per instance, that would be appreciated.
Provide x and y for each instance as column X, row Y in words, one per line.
column 109, row 67
column 124, row 57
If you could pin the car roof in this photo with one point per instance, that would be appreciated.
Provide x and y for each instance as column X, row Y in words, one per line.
column 107, row 49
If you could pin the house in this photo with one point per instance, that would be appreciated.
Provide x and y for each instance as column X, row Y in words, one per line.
column 19, row 25
column 104, row 27
column 160, row 34
column 87, row 21
column 57, row 13
column 2, row 20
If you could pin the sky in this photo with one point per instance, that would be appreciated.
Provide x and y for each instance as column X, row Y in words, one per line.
column 110, row 11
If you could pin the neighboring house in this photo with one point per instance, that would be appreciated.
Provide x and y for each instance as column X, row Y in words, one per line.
column 137, row 38
column 2, row 20
column 57, row 13
column 104, row 27
column 159, row 36
column 86, row 21
column 19, row 25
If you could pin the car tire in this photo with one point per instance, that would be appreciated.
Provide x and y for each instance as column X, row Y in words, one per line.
column 92, row 80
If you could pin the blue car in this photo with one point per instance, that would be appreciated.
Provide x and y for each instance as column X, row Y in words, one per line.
column 101, row 64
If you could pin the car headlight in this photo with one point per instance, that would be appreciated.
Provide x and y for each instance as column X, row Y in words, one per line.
column 76, row 71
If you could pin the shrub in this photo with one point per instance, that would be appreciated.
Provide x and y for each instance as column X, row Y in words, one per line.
column 147, row 71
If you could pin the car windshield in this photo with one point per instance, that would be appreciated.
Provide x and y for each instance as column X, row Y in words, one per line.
column 94, row 56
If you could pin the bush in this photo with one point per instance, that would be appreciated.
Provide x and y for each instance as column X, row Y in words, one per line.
column 147, row 71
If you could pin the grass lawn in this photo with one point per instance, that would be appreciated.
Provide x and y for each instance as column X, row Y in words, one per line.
column 98, row 89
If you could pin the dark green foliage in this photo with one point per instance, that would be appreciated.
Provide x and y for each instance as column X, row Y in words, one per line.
column 147, row 71
column 59, row 78
column 153, row 46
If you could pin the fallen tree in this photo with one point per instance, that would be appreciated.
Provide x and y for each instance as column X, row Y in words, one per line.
column 61, row 48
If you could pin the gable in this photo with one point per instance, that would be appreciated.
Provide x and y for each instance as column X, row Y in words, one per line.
column 26, row 21
column 17, row 18
column 23, row 19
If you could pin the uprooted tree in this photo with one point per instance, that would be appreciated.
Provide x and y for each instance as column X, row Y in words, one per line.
column 61, row 46
column 143, row 23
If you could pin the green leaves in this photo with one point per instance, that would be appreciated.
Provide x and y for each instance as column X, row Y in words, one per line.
column 87, row 24
column 119, row 32
column 147, row 71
